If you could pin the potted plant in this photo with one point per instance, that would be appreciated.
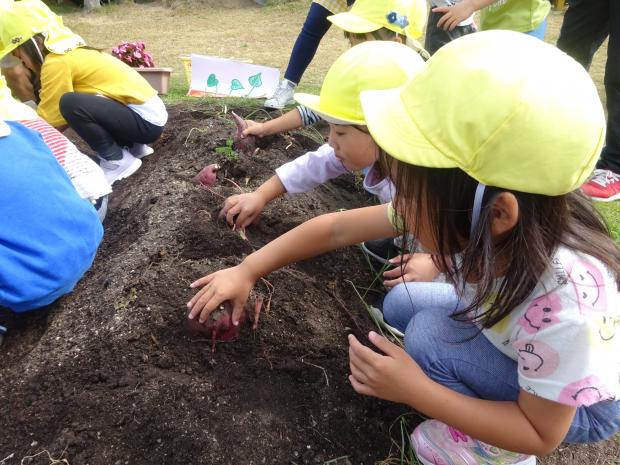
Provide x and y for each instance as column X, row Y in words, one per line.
column 135, row 55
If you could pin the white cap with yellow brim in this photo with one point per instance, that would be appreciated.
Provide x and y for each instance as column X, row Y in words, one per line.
column 369, row 65
column 508, row 109
column 407, row 17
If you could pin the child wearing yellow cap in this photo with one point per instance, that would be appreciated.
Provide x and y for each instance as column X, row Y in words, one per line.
column 367, row 20
column 105, row 101
column 518, row 352
column 527, row 16
column 369, row 65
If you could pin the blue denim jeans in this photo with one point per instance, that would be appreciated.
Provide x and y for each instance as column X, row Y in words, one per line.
column 307, row 43
column 457, row 355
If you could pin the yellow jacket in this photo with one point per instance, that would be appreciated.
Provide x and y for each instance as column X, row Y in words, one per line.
column 90, row 72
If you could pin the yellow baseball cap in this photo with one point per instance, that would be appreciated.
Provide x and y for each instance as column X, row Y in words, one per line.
column 369, row 65
column 406, row 17
column 506, row 108
column 20, row 21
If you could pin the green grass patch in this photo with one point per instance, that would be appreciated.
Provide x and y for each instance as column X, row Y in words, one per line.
column 611, row 213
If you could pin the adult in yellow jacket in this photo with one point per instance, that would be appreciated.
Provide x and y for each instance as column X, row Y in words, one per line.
column 105, row 101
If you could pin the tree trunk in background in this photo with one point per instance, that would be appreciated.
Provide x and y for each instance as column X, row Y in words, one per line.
column 90, row 5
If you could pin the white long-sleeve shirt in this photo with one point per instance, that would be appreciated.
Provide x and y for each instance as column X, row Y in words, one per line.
column 315, row 168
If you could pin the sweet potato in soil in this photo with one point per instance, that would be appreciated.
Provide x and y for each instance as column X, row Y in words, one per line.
column 218, row 327
column 109, row 375
column 245, row 145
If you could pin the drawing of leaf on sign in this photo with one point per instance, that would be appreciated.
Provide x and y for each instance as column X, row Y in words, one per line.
column 255, row 81
column 235, row 84
column 212, row 81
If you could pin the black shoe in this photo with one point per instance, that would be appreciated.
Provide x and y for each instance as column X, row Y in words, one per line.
column 381, row 250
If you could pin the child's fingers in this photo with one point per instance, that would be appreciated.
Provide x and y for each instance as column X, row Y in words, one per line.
column 237, row 311
column 362, row 356
column 359, row 387
column 396, row 261
column 393, row 273
column 385, row 346
column 394, row 282
column 202, row 281
column 230, row 214
column 356, row 370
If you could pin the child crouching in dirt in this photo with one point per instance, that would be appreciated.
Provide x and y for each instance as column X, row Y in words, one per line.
column 377, row 65
column 103, row 100
column 400, row 21
column 48, row 234
column 86, row 176
column 519, row 352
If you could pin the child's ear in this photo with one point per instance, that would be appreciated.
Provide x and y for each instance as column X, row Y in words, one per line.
column 397, row 39
column 504, row 213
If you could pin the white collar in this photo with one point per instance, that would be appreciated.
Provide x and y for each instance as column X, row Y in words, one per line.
column 5, row 130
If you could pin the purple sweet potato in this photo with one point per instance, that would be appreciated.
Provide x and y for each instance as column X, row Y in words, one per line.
column 219, row 327
column 247, row 144
column 208, row 175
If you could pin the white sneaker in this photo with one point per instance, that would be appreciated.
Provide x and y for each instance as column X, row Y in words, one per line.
column 140, row 150
column 115, row 170
column 282, row 96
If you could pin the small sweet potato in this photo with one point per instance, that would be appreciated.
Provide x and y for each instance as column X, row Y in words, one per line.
column 219, row 327
column 247, row 144
column 208, row 175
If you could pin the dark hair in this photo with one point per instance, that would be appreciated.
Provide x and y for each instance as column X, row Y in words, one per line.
column 443, row 197
column 382, row 33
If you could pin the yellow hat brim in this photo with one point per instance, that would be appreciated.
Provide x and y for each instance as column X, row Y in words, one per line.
column 314, row 103
column 352, row 23
column 392, row 129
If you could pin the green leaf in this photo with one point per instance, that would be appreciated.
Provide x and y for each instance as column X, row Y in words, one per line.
column 255, row 81
column 212, row 80
column 235, row 84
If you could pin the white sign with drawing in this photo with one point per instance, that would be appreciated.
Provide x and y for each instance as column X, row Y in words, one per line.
column 221, row 77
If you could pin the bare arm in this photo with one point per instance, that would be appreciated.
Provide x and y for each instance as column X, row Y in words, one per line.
column 287, row 122
column 314, row 237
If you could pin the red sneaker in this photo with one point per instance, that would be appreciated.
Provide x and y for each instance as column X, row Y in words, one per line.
column 604, row 186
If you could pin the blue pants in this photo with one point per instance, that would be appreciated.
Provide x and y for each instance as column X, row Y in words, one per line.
column 457, row 355
column 307, row 43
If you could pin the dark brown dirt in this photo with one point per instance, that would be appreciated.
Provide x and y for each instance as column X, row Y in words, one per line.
column 108, row 375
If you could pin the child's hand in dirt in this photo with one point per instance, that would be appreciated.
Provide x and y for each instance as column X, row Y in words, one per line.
column 245, row 207
column 254, row 129
column 232, row 284
column 394, row 376
column 411, row 267
column 453, row 15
